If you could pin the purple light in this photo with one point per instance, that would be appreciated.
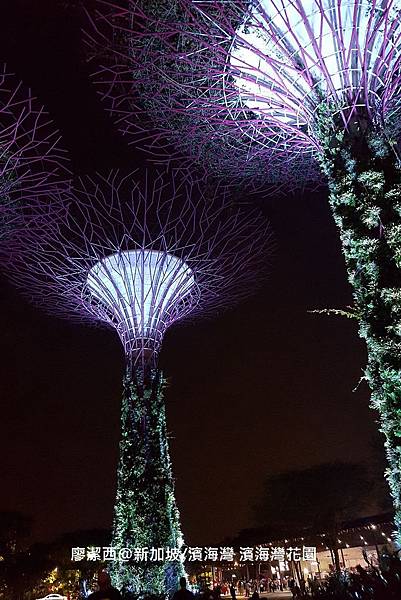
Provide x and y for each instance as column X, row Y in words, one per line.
column 241, row 87
column 31, row 161
column 138, row 254
column 291, row 55
column 284, row 92
column 141, row 293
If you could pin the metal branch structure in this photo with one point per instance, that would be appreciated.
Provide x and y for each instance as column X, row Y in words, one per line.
column 138, row 253
column 253, row 77
column 283, row 90
column 31, row 160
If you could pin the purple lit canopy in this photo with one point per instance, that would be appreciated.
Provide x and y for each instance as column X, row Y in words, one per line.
column 139, row 253
column 286, row 92
column 31, row 162
column 254, row 78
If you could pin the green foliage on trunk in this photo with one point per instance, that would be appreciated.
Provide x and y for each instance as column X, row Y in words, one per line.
column 145, row 511
column 365, row 197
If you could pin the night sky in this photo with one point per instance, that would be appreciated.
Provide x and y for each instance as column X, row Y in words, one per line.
column 262, row 388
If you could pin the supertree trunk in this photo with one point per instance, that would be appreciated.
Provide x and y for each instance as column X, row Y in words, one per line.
column 138, row 252
column 146, row 515
column 365, row 197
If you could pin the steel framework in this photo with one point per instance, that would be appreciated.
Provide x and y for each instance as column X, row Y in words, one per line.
column 138, row 253
column 286, row 91
column 31, row 161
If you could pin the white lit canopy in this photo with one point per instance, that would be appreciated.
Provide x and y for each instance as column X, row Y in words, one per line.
column 141, row 293
column 287, row 49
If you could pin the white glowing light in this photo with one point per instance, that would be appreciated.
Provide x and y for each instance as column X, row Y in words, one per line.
column 287, row 49
column 141, row 292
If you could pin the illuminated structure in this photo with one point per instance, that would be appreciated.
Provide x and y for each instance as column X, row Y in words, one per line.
column 139, row 254
column 283, row 89
column 30, row 160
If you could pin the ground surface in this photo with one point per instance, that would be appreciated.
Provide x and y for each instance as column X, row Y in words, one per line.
column 277, row 595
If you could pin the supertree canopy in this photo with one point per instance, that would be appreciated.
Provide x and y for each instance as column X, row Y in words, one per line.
column 283, row 89
column 31, row 162
column 138, row 253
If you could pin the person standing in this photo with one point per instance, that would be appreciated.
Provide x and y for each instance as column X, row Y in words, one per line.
column 183, row 593
column 106, row 590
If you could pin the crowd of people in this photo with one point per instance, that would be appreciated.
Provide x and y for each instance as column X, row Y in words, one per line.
column 248, row 588
column 251, row 589
column 360, row 583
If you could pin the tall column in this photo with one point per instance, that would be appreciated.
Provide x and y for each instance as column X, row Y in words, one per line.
column 365, row 196
column 146, row 514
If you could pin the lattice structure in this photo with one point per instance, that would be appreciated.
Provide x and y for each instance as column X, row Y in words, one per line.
column 177, row 104
column 31, row 160
column 144, row 291
column 246, row 76
column 280, row 90
column 139, row 253
column 250, row 77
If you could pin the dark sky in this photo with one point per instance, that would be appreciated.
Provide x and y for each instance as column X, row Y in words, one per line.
column 263, row 388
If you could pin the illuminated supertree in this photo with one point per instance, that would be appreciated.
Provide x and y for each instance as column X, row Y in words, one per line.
column 283, row 89
column 31, row 162
column 138, row 254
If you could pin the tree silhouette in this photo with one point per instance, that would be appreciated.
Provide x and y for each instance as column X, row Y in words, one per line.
column 314, row 500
